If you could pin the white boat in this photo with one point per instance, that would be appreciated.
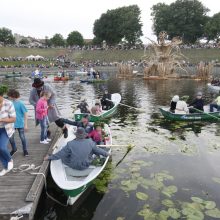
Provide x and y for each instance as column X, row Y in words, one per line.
column 213, row 88
column 74, row 182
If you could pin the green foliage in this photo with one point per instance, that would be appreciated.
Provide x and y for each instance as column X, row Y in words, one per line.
column 118, row 24
column 3, row 90
column 184, row 18
column 57, row 40
column 48, row 42
column 6, row 36
column 212, row 27
column 75, row 38
column 24, row 41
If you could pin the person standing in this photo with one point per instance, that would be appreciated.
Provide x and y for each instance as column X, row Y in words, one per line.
column 41, row 115
column 53, row 113
column 7, row 119
column 20, row 123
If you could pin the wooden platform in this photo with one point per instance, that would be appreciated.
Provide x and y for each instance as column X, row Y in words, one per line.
column 20, row 192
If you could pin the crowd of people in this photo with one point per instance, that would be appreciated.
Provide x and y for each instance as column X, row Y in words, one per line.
column 13, row 116
column 178, row 105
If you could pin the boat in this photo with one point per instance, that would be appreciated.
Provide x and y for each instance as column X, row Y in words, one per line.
column 13, row 75
column 213, row 88
column 116, row 99
column 93, row 80
column 211, row 116
column 75, row 182
column 59, row 78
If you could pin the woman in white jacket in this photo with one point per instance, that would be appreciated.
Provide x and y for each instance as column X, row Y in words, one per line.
column 181, row 106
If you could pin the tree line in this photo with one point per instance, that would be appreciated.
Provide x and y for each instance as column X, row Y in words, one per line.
column 185, row 18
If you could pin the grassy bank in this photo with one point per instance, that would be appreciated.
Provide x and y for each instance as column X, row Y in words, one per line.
column 193, row 55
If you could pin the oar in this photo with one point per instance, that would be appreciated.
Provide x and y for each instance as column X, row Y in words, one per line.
column 139, row 109
column 114, row 145
column 206, row 113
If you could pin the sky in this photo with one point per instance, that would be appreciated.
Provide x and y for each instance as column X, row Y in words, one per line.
column 40, row 18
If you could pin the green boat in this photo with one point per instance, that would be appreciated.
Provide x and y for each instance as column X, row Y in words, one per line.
column 93, row 80
column 116, row 99
column 75, row 182
column 13, row 75
column 211, row 116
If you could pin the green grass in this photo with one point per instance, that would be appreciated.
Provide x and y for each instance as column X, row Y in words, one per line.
column 193, row 55
column 23, row 52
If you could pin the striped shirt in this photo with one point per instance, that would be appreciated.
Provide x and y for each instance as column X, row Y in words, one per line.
column 7, row 111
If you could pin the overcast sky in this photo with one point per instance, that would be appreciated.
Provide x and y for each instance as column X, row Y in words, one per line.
column 40, row 18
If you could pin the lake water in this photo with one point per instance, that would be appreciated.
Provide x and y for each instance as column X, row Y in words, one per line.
column 173, row 170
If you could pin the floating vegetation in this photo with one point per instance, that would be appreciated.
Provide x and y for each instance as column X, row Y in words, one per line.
column 168, row 203
column 215, row 213
column 141, row 196
column 216, row 179
column 169, row 190
column 214, row 147
column 173, row 213
column 189, row 150
column 155, row 150
column 120, row 218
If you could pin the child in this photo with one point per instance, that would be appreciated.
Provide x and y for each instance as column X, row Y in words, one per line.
column 20, row 123
column 98, row 135
column 97, row 109
column 41, row 115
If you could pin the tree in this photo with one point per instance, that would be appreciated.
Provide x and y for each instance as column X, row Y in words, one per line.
column 75, row 38
column 23, row 41
column 212, row 27
column 6, row 36
column 118, row 24
column 184, row 18
column 48, row 42
column 57, row 40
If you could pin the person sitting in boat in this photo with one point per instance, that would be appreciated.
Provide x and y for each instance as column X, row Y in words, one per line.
column 59, row 74
column 77, row 154
column 83, row 123
column 83, row 106
column 216, row 104
column 173, row 102
column 97, row 109
column 98, row 135
column 197, row 105
column 181, row 106
column 106, row 101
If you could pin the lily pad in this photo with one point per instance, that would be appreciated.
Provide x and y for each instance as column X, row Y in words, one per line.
column 147, row 214
column 216, row 179
column 210, row 204
column 163, row 215
column 214, row 213
column 120, row 218
column 174, row 213
column 197, row 199
column 141, row 196
column 169, row 190
column 167, row 202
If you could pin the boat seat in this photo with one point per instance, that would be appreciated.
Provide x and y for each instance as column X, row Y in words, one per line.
column 78, row 173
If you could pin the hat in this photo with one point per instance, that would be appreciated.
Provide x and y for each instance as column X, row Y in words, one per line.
column 175, row 98
column 37, row 83
column 199, row 94
column 80, row 133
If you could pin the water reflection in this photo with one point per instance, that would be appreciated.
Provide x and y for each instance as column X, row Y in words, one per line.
column 186, row 152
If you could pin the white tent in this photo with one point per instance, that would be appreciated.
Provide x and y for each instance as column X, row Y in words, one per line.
column 38, row 57
column 31, row 57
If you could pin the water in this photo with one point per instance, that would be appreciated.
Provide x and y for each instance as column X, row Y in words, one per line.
column 170, row 162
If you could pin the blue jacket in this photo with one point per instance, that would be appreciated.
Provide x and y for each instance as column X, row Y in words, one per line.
column 77, row 154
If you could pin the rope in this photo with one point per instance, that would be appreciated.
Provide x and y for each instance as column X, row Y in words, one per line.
column 31, row 167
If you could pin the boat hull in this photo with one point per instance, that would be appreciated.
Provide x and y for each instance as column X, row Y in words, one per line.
column 214, row 116
column 61, row 78
column 13, row 75
column 116, row 99
column 93, row 81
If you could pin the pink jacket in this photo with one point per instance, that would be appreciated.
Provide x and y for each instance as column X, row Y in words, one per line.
column 41, row 108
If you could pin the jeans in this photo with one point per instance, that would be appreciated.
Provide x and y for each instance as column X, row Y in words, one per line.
column 43, row 125
column 212, row 106
column 23, row 140
column 5, row 156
